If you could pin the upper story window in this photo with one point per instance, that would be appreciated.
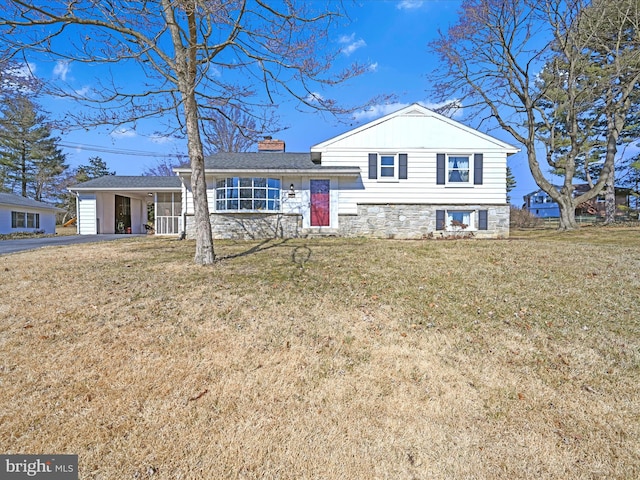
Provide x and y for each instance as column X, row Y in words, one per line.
column 248, row 194
column 388, row 166
column 458, row 169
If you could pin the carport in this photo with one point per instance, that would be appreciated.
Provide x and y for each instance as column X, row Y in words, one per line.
column 123, row 204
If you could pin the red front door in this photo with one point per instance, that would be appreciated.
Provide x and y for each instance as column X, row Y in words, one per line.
column 320, row 214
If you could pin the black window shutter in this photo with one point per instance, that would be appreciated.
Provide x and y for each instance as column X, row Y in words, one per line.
column 373, row 165
column 477, row 169
column 402, row 166
column 483, row 220
column 440, row 170
column 439, row 219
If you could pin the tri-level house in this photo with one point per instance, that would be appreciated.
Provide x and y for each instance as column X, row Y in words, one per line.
column 410, row 174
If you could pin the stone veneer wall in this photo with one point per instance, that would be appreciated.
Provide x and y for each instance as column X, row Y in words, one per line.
column 250, row 226
column 381, row 221
column 416, row 221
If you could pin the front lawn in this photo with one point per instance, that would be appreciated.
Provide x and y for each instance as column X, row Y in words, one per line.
column 327, row 358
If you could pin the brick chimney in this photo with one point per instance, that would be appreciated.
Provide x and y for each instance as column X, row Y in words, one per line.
column 270, row 145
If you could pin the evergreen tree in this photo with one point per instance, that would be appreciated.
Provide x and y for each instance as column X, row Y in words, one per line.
column 30, row 161
column 96, row 168
column 511, row 183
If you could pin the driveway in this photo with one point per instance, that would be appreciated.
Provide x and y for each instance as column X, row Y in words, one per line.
column 22, row 244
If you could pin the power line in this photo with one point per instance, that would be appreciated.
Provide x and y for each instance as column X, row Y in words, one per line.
column 117, row 151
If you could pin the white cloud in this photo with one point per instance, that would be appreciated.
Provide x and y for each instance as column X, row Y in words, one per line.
column 82, row 92
column 124, row 133
column 161, row 139
column 17, row 76
column 373, row 67
column 346, row 38
column 377, row 111
column 409, row 4
column 351, row 44
column 451, row 108
column 61, row 69
column 25, row 70
column 314, row 97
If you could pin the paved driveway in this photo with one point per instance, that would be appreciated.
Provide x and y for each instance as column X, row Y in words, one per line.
column 22, row 244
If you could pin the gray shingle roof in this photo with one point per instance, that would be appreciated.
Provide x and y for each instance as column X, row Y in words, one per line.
column 264, row 161
column 259, row 161
column 130, row 183
column 18, row 201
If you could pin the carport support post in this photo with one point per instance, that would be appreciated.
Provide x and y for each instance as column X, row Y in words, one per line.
column 77, row 212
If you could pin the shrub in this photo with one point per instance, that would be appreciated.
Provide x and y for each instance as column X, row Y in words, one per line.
column 521, row 218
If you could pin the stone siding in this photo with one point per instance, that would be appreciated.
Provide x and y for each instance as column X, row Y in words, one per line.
column 380, row 221
column 250, row 226
column 417, row 221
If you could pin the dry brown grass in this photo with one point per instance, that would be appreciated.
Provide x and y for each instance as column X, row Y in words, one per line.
column 333, row 359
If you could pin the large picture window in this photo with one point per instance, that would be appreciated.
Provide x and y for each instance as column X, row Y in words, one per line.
column 248, row 194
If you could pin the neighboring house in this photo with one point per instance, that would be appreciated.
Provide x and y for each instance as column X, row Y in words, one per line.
column 411, row 174
column 20, row 214
column 540, row 204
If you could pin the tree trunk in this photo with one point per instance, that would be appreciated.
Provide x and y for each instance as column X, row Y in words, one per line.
column 610, row 199
column 564, row 197
column 186, row 73
column 204, row 239
column 567, row 214
column 23, row 174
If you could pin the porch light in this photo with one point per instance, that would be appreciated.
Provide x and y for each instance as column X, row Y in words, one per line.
column 149, row 194
column 292, row 190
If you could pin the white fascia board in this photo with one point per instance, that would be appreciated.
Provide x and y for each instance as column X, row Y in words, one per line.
column 335, row 172
column 125, row 189
column 15, row 206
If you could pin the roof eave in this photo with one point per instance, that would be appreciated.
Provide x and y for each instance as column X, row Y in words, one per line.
column 33, row 207
column 128, row 189
column 347, row 172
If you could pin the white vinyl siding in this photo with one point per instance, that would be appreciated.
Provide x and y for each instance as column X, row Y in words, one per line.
column 187, row 194
column 87, row 219
column 29, row 219
column 420, row 185
column 422, row 135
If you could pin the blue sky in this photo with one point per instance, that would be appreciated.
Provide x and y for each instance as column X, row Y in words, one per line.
column 391, row 36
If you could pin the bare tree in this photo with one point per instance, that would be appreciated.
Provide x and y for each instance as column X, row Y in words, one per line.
column 195, row 54
column 526, row 63
column 230, row 129
column 163, row 167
